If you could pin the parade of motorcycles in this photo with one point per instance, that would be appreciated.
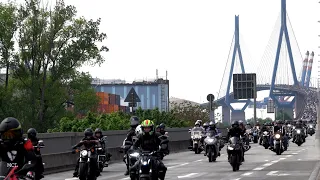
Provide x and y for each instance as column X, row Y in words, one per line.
column 147, row 144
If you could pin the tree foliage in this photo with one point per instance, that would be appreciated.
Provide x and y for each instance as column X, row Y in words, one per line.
column 176, row 117
column 42, row 70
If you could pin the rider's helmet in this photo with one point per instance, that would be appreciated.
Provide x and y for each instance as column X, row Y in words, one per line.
column 205, row 125
column 199, row 121
column 162, row 126
column 138, row 130
column 197, row 124
column 158, row 128
column 32, row 133
column 88, row 133
column 10, row 129
column 212, row 125
column 98, row 133
column 235, row 124
column 147, row 127
column 286, row 122
column 134, row 121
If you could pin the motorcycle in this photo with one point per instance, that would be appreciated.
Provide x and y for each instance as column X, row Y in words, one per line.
column 196, row 136
column 278, row 144
column 86, row 168
column 234, row 153
column 299, row 136
column 145, row 171
column 212, row 147
column 254, row 136
column 102, row 159
column 164, row 145
column 265, row 139
column 311, row 129
column 37, row 151
column 9, row 171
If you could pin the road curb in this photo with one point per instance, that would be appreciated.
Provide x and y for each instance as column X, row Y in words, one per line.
column 315, row 175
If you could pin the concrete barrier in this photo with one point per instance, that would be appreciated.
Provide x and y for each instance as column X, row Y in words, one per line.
column 57, row 154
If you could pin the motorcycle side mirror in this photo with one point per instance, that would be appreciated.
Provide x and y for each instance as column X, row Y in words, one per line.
column 166, row 133
column 40, row 141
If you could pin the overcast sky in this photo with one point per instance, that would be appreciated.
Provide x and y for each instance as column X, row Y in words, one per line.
column 191, row 38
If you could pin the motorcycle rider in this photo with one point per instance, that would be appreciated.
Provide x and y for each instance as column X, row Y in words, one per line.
column 88, row 135
column 98, row 135
column 162, row 127
column 197, row 124
column 134, row 122
column 213, row 129
column 32, row 135
column 12, row 140
column 299, row 125
column 279, row 127
column 205, row 126
column 149, row 141
column 263, row 128
column 236, row 131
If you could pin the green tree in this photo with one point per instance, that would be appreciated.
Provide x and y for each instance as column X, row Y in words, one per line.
column 283, row 116
column 52, row 45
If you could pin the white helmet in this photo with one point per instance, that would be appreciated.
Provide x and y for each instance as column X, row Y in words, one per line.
column 138, row 130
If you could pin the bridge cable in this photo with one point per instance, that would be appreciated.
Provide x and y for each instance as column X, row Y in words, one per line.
column 225, row 68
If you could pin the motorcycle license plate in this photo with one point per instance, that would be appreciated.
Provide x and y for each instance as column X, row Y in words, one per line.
column 254, row 134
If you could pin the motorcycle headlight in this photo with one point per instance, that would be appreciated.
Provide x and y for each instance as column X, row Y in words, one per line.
column 298, row 131
column 310, row 126
column 277, row 136
column 135, row 154
column 84, row 153
column 265, row 133
column 230, row 148
column 191, row 137
column 210, row 140
column 144, row 163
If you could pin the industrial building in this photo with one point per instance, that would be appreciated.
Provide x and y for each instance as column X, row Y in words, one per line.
column 152, row 93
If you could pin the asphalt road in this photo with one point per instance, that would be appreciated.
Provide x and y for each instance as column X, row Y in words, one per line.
column 297, row 163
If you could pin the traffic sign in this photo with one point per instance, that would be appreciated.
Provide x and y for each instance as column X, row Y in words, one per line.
column 132, row 104
column 243, row 86
column 132, row 96
column 210, row 97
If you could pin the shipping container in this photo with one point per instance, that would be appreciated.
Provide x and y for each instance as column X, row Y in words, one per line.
column 102, row 108
column 118, row 100
column 112, row 99
column 110, row 108
column 122, row 108
column 116, row 108
column 104, row 97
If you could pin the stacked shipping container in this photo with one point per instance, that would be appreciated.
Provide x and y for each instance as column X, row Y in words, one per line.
column 110, row 103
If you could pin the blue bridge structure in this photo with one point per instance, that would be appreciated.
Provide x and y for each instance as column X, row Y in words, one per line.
column 276, row 72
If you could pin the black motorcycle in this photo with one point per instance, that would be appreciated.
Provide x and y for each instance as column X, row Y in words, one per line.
column 164, row 145
column 234, row 153
column 87, row 169
column 102, row 159
column 265, row 139
column 278, row 143
column 299, row 137
column 146, row 170
column 311, row 129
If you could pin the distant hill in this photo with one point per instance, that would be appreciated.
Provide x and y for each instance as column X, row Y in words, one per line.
column 178, row 100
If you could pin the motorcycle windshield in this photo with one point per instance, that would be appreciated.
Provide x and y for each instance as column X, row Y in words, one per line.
column 4, row 170
column 210, row 134
column 234, row 140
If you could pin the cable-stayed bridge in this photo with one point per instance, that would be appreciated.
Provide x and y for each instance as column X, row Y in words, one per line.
column 276, row 72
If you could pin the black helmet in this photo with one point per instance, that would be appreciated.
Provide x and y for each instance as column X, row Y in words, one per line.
column 10, row 128
column 162, row 126
column 134, row 121
column 32, row 133
column 98, row 130
column 235, row 123
column 88, row 132
column 205, row 125
column 212, row 124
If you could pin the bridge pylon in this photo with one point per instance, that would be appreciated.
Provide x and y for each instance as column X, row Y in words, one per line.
column 236, row 114
column 275, row 94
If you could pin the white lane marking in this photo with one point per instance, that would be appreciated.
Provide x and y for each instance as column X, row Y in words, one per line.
column 237, row 179
column 288, row 155
column 303, row 149
column 266, row 160
column 299, row 159
column 188, row 175
column 282, row 159
column 258, row 168
column 275, row 161
column 125, row 178
column 294, row 153
column 247, row 174
column 178, row 165
column 272, row 173
column 267, row 164
column 72, row 178
column 222, row 154
column 198, row 160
